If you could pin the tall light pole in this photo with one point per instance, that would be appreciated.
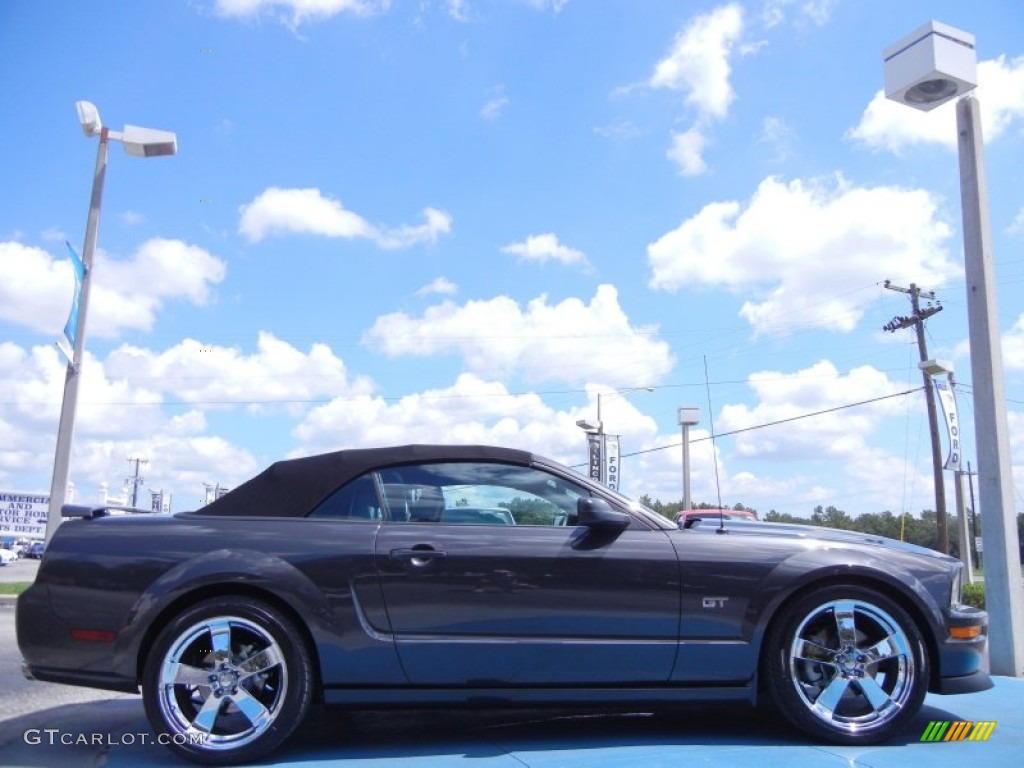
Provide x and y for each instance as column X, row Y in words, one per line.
column 596, row 439
column 137, row 142
column 923, row 70
column 688, row 416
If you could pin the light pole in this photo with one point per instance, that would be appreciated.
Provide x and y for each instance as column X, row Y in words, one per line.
column 597, row 440
column 688, row 416
column 923, row 70
column 138, row 142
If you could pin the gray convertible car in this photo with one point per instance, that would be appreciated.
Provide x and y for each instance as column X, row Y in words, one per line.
column 469, row 575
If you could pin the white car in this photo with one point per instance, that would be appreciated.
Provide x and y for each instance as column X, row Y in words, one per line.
column 7, row 556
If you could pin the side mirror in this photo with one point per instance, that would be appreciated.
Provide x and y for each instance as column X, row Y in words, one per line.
column 598, row 515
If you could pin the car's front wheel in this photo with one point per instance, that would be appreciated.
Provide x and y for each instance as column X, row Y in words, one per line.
column 227, row 681
column 846, row 664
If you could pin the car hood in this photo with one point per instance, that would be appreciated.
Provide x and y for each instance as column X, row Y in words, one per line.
column 818, row 533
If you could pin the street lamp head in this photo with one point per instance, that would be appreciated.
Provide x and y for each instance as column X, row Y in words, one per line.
column 689, row 415
column 930, row 66
column 89, row 117
column 148, row 142
column 935, row 367
column 586, row 426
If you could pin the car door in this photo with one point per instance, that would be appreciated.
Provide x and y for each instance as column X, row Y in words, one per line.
column 488, row 581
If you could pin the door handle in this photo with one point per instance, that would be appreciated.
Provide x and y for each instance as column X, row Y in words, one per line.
column 418, row 555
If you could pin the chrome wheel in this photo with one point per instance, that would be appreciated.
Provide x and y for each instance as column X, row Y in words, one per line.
column 224, row 680
column 851, row 664
column 847, row 664
column 227, row 681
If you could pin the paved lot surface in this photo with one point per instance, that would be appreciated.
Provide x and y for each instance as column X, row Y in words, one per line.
column 20, row 570
column 535, row 740
column 93, row 728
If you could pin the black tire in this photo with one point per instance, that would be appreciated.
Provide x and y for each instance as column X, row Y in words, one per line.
column 846, row 664
column 227, row 681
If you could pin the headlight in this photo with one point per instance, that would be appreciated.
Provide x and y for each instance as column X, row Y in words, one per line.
column 956, row 593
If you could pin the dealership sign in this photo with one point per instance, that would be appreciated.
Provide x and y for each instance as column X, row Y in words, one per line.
column 23, row 515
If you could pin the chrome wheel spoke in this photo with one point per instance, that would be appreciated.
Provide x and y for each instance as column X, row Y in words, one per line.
column 808, row 650
column 206, row 718
column 877, row 698
column 829, row 699
column 891, row 647
column 257, row 715
column 220, row 638
column 263, row 661
column 846, row 623
column 177, row 673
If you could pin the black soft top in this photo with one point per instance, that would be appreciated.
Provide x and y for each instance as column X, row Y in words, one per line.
column 293, row 487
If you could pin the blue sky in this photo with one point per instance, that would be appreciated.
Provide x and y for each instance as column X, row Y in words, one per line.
column 462, row 220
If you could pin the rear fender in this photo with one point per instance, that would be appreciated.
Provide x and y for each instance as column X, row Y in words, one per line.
column 220, row 569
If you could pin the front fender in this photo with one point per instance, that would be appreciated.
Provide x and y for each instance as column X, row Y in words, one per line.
column 914, row 587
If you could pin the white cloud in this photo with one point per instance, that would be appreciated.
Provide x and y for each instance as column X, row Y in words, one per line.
column 818, row 12
column 278, row 210
column 441, row 286
column 126, row 294
column 792, row 238
column 1013, row 346
column 458, row 10
column 777, row 135
column 556, row 6
column 493, row 108
column 841, row 436
column 299, row 11
column 621, row 130
column 542, row 248
column 308, row 211
column 686, row 152
column 698, row 63
column 570, row 341
column 36, row 289
column 123, row 410
column 437, row 223
column 1017, row 226
column 894, row 127
column 211, row 375
column 131, row 218
column 470, row 411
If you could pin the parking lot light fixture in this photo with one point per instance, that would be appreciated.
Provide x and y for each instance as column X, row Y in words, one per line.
column 137, row 142
column 927, row 68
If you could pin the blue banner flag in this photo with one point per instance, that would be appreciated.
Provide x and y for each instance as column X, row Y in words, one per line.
column 71, row 326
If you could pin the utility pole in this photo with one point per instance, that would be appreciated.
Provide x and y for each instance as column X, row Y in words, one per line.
column 134, row 480
column 917, row 320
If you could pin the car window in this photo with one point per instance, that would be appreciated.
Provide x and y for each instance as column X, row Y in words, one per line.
column 356, row 500
column 479, row 493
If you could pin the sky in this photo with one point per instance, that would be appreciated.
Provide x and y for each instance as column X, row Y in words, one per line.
column 479, row 221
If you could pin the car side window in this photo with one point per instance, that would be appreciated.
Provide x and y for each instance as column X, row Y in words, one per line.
column 356, row 500
column 479, row 493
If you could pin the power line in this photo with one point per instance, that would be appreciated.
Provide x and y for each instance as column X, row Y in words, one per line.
column 779, row 421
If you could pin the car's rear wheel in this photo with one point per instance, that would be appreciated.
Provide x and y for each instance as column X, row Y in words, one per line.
column 846, row 664
column 227, row 681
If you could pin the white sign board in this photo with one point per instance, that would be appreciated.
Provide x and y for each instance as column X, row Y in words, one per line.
column 23, row 515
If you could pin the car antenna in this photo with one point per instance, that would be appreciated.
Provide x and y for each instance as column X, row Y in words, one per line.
column 714, row 449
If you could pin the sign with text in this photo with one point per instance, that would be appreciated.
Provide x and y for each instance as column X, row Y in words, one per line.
column 23, row 515
column 611, row 461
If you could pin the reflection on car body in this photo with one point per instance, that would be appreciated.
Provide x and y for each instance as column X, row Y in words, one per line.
column 461, row 575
